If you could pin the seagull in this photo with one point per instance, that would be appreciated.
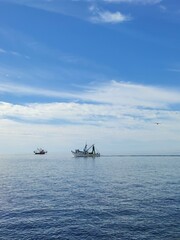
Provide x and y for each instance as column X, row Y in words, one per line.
column 157, row 123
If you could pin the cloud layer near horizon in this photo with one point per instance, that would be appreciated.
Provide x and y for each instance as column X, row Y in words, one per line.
column 116, row 111
column 113, row 100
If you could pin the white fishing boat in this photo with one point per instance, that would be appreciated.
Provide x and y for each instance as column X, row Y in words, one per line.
column 86, row 152
column 40, row 151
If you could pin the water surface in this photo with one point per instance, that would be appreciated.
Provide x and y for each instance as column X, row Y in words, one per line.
column 111, row 197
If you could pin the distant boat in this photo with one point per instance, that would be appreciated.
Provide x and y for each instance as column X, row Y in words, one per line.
column 86, row 152
column 40, row 151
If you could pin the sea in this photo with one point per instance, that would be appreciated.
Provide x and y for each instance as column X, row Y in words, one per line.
column 110, row 197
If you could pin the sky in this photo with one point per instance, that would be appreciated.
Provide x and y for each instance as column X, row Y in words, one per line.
column 100, row 72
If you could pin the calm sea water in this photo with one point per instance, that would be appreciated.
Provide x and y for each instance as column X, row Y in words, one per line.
column 55, row 197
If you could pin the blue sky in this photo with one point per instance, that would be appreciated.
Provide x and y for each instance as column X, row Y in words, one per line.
column 96, row 71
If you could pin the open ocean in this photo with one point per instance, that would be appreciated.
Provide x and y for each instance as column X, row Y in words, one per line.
column 111, row 197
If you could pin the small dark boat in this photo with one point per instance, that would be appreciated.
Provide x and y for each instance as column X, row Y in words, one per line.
column 40, row 151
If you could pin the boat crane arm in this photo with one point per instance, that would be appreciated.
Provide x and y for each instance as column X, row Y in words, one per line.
column 90, row 147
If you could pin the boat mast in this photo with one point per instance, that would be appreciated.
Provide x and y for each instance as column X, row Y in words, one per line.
column 90, row 147
column 85, row 148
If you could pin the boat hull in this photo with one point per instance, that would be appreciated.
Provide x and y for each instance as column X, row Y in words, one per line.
column 82, row 154
column 40, row 153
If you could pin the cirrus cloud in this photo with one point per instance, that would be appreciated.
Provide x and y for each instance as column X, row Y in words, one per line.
column 144, row 2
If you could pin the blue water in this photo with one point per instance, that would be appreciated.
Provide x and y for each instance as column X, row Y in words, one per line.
column 111, row 197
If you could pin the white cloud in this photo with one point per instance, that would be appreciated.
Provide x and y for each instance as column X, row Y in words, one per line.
column 144, row 2
column 109, row 17
column 104, row 105
column 113, row 92
column 133, row 95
